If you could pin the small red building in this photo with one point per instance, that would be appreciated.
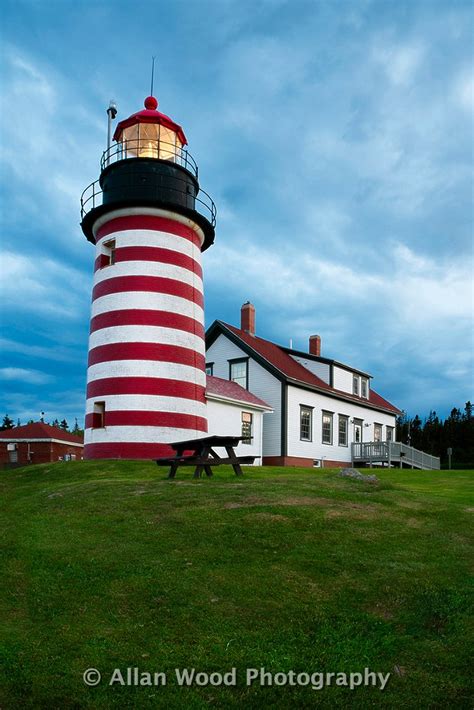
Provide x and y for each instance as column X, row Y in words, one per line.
column 38, row 443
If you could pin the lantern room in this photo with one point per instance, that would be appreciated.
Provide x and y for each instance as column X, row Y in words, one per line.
column 150, row 134
column 148, row 166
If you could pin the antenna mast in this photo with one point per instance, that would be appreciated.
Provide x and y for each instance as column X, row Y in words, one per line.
column 152, row 74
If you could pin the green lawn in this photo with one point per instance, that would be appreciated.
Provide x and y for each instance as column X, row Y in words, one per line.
column 109, row 565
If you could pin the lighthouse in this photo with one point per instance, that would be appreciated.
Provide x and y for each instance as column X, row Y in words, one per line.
column 149, row 222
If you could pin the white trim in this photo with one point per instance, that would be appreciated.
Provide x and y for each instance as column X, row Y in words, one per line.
column 238, row 402
column 28, row 441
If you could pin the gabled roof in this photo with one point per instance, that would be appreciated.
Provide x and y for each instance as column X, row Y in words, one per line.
column 39, row 430
column 275, row 359
column 226, row 389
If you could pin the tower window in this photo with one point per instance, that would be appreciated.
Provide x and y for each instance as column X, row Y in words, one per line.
column 98, row 418
column 108, row 254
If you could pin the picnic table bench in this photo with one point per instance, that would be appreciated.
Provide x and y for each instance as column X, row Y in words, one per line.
column 200, row 453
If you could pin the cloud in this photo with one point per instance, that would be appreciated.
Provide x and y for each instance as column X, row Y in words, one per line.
column 400, row 63
column 464, row 90
column 336, row 142
column 55, row 351
column 417, row 320
column 44, row 286
column 34, row 377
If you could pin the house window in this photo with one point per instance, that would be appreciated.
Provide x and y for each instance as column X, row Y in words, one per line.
column 343, row 430
column 12, row 453
column 209, row 368
column 246, row 427
column 98, row 416
column 355, row 385
column 238, row 372
column 389, row 433
column 327, row 428
column 306, row 423
column 108, row 255
column 364, row 386
column 377, row 432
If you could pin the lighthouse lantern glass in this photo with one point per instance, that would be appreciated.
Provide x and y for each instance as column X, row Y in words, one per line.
column 150, row 140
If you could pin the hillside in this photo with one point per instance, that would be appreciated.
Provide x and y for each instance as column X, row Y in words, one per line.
column 109, row 565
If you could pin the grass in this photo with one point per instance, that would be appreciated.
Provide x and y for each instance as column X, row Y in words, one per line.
column 109, row 565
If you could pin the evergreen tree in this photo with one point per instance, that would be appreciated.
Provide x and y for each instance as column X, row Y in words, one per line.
column 77, row 431
column 416, row 432
column 402, row 427
column 7, row 423
column 468, row 411
column 64, row 425
column 55, row 423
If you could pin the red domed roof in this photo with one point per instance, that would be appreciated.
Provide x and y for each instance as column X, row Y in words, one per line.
column 150, row 115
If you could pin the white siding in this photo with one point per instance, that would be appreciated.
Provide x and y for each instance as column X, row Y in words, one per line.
column 320, row 369
column 342, row 379
column 269, row 388
column 261, row 383
column 220, row 352
column 316, row 449
column 225, row 419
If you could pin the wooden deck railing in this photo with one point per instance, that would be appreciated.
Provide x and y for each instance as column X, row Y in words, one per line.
column 374, row 452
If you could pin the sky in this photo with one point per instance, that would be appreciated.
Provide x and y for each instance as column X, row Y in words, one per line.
column 336, row 139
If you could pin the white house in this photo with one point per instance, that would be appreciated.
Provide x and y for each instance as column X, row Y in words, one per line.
column 320, row 406
column 234, row 411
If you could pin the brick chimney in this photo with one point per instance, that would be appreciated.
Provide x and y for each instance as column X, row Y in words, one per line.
column 247, row 318
column 315, row 345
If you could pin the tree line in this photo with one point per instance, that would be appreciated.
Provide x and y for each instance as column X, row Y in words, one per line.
column 8, row 423
column 435, row 436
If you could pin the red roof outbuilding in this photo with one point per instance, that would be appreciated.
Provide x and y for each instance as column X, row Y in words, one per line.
column 40, row 430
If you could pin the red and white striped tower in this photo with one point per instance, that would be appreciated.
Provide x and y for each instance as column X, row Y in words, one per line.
column 149, row 222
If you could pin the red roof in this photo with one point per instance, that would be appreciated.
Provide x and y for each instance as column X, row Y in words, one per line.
column 232, row 390
column 40, row 430
column 150, row 115
column 288, row 366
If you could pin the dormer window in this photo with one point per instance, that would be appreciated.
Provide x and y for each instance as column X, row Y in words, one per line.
column 364, row 387
column 355, row 385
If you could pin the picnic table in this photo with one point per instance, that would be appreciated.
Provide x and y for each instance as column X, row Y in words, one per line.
column 201, row 454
